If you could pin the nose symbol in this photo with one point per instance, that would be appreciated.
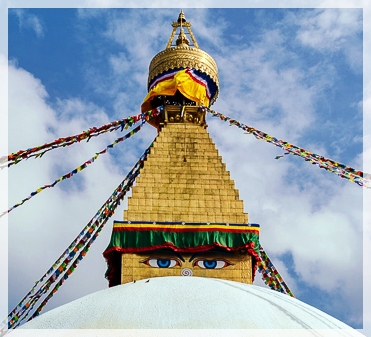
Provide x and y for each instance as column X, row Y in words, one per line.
column 187, row 272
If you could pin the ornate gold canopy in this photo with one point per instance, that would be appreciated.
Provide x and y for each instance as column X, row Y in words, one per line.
column 183, row 55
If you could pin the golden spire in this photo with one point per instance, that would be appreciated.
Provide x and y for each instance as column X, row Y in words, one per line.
column 181, row 17
column 180, row 23
column 184, row 54
column 182, row 38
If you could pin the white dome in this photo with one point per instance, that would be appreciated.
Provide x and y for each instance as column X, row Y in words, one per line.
column 184, row 303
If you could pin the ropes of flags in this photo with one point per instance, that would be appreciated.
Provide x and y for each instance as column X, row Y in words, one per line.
column 76, row 170
column 54, row 278
column 39, row 151
column 68, row 261
column 270, row 275
column 343, row 171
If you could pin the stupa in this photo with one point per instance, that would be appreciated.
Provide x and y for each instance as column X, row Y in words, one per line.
column 184, row 216
column 184, row 219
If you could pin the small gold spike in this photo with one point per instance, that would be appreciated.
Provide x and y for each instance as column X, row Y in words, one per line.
column 182, row 39
column 181, row 17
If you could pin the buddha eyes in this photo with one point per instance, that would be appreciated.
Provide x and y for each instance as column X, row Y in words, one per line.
column 202, row 263
column 161, row 263
column 211, row 264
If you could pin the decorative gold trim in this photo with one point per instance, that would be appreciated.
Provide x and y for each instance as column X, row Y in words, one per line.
column 184, row 114
column 183, row 57
column 171, row 37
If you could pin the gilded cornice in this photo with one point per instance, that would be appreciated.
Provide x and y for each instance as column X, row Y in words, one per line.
column 176, row 57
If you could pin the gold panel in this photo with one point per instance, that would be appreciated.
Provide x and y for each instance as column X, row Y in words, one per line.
column 183, row 57
column 184, row 179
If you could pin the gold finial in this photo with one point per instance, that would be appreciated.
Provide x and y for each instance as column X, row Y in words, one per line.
column 180, row 23
column 182, row 39
column 181, row 17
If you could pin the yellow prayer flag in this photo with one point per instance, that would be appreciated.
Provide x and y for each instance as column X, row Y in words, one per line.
column 183, row 82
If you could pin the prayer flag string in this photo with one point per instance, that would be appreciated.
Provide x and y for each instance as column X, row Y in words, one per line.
column 343, row 171
column 64, row 266
column 76, row 170
column 270, row 275
column 39, row 151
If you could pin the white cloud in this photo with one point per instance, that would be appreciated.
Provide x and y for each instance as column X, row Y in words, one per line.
column 263, row 84
column 29, row 21
column 306, row 212
column 140, row 43
column 303, row 211
column 55, row 216
column 120, row 63
column 3, row 184
column 330, row 30
column 367, row 201
column 207, row 28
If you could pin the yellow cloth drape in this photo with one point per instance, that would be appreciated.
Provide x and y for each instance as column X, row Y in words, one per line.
column 181, row 81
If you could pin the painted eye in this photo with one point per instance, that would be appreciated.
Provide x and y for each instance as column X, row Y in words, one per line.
column 161, row 263
column 211, row 264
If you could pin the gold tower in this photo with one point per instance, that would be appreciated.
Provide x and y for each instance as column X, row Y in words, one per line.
column 184, row 216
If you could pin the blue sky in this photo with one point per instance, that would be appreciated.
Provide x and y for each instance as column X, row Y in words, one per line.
column 296, row 74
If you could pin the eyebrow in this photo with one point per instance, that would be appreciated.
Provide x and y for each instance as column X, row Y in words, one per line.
column 170, row 252
column 208, row 252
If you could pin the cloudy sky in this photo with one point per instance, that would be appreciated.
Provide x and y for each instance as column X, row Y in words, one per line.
column 296, row 74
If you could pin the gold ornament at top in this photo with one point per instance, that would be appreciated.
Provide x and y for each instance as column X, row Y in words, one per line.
column 182, row 55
